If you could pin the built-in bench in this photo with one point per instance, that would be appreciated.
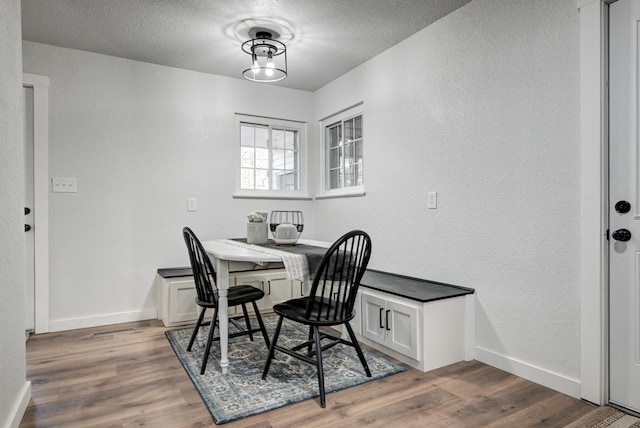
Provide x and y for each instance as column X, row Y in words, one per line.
column 420, row 290
column 176, row 290
column 426, row 324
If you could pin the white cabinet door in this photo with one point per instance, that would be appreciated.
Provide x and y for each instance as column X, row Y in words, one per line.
column 257, row 281
column 391, row 323
column 182, row 305
column 401, row 323
column 278, row 289
column 373, row 308
column 298, row 289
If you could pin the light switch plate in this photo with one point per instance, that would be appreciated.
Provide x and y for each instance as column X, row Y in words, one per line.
column 192, row 205
column 64, row 185
column 432, row 200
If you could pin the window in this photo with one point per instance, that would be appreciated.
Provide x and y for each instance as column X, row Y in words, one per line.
column 343, row 153
column 270, row 157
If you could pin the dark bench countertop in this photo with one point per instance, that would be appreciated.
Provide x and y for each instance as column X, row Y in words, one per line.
column 175, row 272
column 421, row 290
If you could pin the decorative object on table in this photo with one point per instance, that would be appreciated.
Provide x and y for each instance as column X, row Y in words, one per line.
column 242, row 393
column 330, row 303
column 286, row 226
column 204, row 277
column 257, row 230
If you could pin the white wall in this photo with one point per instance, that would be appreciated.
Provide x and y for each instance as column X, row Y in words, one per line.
column 140, row 139
column 14, row 390
column 482, row 107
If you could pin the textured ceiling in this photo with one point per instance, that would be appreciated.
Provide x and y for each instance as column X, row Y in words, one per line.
column 325, row 38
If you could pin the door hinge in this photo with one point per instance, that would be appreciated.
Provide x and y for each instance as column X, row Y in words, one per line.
column 607, row 234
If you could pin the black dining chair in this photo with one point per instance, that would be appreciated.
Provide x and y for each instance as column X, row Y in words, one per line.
column 204, row 277
column 330, row 303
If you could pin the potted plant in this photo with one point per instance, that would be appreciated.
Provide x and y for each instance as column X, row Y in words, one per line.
column 257, row 231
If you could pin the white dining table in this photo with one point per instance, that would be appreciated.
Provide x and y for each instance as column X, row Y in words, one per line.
column 223, row 255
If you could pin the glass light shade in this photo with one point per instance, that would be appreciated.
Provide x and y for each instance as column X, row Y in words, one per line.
column 268, row 59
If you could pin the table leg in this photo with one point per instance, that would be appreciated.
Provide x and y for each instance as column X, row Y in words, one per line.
column 222, row 271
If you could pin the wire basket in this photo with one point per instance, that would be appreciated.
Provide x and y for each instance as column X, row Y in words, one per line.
column 294, row 218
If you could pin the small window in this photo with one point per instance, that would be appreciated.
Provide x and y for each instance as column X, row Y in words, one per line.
column 343, row 153
column 270, row 157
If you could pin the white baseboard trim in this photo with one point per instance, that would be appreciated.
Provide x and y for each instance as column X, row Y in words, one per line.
column 19, row 407
column 527, row 371
column 104, row 319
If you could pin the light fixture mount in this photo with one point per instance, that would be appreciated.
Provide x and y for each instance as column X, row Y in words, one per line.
column 268, row 56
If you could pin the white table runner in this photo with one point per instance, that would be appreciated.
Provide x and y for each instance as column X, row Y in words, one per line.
column 296, row 265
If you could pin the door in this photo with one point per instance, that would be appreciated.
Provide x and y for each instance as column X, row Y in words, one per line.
column 402, row 326
column 30, row 314
column 624, row 201
column 278, row 289
column 373, row 327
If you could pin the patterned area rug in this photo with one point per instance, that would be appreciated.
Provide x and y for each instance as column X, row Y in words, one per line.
column 242, row 392
column 605, row 416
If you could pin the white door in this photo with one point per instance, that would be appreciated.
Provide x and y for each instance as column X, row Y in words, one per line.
column 624, row 201
column 28, row 205
column 401, row 324
column 373, row 326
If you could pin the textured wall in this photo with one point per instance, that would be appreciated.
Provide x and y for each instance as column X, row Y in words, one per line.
column 482, row 107
column 140, row 139
column 12, row 246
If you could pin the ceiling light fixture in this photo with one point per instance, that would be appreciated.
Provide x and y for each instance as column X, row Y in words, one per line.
column 268, row 56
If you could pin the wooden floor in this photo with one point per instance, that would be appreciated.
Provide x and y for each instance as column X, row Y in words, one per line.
column 128, row 376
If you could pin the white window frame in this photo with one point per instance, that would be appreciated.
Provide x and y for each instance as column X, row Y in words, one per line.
column 301, row 128
column 351, row 191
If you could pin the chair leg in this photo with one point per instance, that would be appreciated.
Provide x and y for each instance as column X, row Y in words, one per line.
column 262, row 328
column 196, row 328
column 356, row 345
column 272, row 348
column 319, row 366
column 310, row 340
column 212, row 329
column 247, row 322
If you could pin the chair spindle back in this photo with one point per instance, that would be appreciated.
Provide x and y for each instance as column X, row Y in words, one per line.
column 204, row 275
column 337, row 278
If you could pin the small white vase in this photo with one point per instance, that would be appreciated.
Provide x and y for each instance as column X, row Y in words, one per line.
column 257, row 233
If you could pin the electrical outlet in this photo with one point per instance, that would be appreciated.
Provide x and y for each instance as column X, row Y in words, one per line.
column 192, row 205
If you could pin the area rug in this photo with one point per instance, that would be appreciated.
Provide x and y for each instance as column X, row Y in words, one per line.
column 605, row 416
column 242, row 392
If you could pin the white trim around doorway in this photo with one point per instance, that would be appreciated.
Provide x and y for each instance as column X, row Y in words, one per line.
column 593, row 201
column 40, row 85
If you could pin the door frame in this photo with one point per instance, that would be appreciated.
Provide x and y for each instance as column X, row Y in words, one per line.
column 40, row 85
column 594, row 200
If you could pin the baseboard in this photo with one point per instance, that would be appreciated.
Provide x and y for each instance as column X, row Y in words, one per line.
column 527, row 371
column 100, row 320
column 19, row 407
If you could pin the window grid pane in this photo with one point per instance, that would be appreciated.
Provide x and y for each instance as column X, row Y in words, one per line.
column 269, row 158
column 344, row 156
